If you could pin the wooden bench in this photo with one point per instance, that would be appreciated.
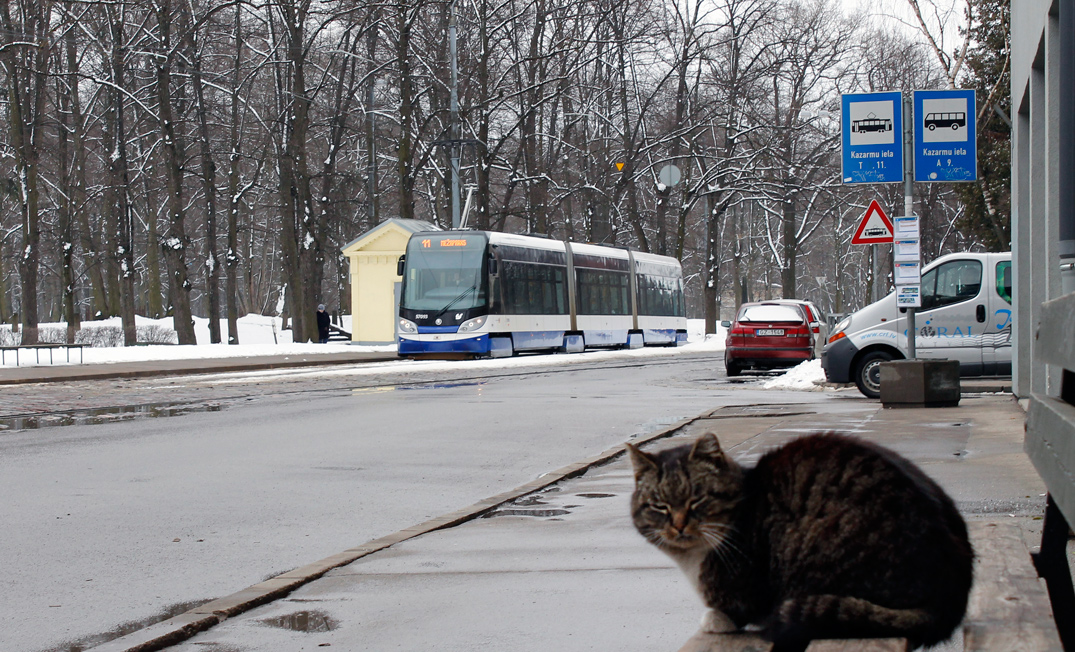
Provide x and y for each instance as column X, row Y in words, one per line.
column 37, row 349
column 1008, row 610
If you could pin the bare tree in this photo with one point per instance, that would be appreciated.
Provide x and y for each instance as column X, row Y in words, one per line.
column 25, row 51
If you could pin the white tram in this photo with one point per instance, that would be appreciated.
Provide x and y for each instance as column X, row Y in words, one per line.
column 487, row 293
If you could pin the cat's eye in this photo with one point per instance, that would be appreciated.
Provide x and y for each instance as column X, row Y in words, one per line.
column 661, row 507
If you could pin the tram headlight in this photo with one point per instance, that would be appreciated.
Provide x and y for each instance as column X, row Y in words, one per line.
column 472, row 324
column 407, row 326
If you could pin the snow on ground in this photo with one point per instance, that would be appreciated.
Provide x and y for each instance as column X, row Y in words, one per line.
column 259, row 335
column 806, row 375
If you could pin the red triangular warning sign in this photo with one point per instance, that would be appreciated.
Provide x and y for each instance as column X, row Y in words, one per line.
column 875, row 227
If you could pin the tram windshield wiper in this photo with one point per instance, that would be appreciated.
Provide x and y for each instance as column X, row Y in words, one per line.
column 454, row 301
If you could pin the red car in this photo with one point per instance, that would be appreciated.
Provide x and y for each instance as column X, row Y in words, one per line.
column 767, row 335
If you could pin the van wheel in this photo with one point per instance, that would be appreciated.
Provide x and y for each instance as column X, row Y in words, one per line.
column 868, row 373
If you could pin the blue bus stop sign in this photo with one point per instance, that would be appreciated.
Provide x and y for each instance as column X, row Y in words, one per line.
column 945, row 143
column 872, row 137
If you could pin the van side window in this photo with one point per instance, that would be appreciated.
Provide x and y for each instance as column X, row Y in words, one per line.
column 1004, row 280
column 954, row 282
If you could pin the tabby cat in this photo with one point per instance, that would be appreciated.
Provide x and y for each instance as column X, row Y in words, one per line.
column 827, row 536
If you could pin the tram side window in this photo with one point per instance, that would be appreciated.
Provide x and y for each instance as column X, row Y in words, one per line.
column 660, row 296
column 603, row 292
column 531, row 289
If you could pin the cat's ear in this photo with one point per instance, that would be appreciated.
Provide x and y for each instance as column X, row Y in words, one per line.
column 640, row 461
column 707, row 448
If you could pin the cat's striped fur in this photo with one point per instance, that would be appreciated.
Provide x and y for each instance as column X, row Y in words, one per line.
column 827, row 536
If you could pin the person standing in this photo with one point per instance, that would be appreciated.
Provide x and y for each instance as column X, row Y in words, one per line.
column 322, row 324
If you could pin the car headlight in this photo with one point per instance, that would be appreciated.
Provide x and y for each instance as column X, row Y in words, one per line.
column 407, row 326
column 838, row 330
column 472, row 324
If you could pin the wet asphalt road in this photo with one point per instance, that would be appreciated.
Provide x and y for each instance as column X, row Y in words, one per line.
column 112, row 524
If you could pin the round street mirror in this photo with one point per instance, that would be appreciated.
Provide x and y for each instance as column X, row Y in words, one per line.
column 669, row 175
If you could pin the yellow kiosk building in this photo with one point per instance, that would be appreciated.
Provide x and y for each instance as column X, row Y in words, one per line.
column 374, row 283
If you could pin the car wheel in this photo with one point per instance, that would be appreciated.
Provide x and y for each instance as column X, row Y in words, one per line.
column 868, row 373
column 732, row 369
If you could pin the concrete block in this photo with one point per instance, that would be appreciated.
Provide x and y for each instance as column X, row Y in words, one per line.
column 920, row 383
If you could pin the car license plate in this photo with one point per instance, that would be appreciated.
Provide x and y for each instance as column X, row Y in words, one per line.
column 761, row 332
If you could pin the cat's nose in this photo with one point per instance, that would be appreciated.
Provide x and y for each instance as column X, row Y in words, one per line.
column 679, row 519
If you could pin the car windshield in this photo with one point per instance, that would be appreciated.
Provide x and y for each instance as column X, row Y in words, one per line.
column 769, row 313
column 444, row 273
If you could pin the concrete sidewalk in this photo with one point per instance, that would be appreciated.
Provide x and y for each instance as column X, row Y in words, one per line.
column 10, row 375
column 557, row 565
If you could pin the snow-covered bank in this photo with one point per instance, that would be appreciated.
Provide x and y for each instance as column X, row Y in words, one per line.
column 260, row 335
column 806, row 376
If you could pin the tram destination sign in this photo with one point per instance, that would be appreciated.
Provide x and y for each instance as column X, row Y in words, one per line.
column 872, row 137
column 451, row 242
column 945, row 143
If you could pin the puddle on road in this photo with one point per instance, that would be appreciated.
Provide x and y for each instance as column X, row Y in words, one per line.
column 96, row 416
column 532, row 505
column 477, row 383
column 126, row 628
column 304, row 621
column 537, row 513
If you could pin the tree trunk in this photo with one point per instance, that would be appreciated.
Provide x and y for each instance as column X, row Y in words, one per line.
column 26, row 67
column 176, row 241
column 208, row 170
column 712, row 267
column 120, row 183
column 154, row 290
column 232, row 258
column 790, row 246
column 66, row 212
column 5, row 307
column 373, row 217
column 297, row 205
column 406, row 113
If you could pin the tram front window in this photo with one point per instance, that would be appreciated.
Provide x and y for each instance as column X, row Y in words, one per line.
column 444, row 273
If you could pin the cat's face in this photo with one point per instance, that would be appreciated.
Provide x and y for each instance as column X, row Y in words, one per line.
column 685, row 497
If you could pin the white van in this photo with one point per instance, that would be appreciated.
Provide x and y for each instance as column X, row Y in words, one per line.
column 966, row 315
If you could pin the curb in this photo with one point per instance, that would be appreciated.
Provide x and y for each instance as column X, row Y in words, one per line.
column 198, row 366
column 179, row 628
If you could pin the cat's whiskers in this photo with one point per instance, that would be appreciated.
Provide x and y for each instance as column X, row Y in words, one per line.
column 655, row 537
column 721, row 537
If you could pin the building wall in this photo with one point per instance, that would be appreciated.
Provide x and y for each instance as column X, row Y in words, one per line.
column 373, row 282
column 1043, row 224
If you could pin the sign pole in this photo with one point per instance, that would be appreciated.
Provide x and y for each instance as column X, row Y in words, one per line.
column 908, row 201
column 875, row 271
